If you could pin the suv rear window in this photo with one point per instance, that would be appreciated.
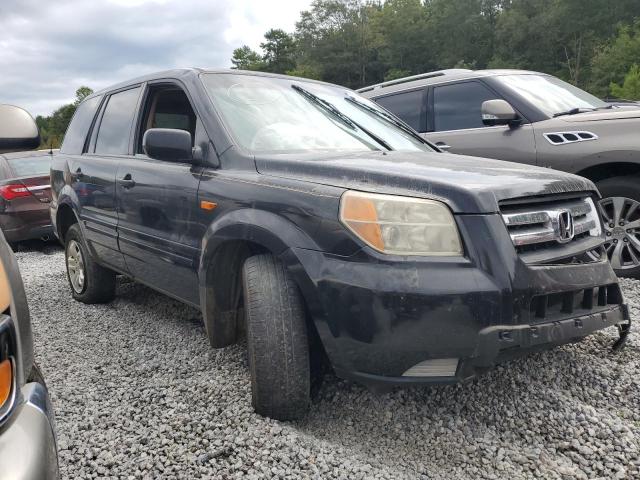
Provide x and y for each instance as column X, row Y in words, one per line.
column 458, row 106
column 115, row 127
column 30, row 166
column 77, row 132
column 407, row 106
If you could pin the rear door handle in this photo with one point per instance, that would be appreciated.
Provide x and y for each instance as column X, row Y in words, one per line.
column 443, row 146
column 127, row 181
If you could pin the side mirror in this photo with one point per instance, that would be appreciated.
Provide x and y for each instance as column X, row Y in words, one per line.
column 499, row 112
column 18, row 130
column 168, row 144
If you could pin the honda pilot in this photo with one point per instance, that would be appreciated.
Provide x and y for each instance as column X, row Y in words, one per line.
column 309, row 217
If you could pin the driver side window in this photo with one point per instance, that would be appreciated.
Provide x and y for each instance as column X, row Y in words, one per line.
column 167, row 107
column 458, row 106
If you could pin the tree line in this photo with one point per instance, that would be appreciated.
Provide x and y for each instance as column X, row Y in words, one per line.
column 53, row 127
column 594, row 44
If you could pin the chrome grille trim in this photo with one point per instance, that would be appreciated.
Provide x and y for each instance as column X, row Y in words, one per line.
column 530, row 225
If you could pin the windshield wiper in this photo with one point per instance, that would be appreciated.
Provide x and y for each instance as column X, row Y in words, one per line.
column 389, row 118
column 330, row 108
column 574, row 111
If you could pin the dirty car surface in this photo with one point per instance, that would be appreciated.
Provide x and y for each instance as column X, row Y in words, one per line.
column 325, row 223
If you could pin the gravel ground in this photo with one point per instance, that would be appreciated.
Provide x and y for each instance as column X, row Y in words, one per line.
column 138, row 393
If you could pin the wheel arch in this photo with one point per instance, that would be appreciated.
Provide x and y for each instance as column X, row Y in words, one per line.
column 65, row 218
column 228, row 242
column 601, row 171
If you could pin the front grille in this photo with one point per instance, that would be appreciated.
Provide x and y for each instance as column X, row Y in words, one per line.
column 547, row 223
column 554, row 306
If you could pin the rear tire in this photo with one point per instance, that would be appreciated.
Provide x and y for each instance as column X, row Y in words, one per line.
column 90, row 283
column 277, row 341
column 621, row 204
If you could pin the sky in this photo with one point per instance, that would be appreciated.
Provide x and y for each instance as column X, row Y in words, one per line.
column 50, row 48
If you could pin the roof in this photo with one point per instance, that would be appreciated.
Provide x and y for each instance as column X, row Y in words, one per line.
column 438, row 76
column 193, row 72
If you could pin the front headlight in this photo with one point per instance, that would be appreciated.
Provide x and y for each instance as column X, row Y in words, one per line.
column 401, row 225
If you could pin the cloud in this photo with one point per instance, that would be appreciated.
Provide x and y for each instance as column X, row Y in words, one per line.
column 48, row 49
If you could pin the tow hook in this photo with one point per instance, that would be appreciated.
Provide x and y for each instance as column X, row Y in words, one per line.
column 623, row 330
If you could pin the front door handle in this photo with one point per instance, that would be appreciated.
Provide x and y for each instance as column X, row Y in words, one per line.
column 127, row 181
column 443, row 146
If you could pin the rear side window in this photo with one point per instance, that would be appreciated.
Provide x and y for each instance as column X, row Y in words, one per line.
column 30, row 166
column 79, row 128
column 115, row 127
column 407, row 106
column 458, row 106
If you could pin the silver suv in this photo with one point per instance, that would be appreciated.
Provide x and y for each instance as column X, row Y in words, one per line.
column 533, row 118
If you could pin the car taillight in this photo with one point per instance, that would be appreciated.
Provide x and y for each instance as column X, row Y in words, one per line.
column 11, row 191
column 6, row 381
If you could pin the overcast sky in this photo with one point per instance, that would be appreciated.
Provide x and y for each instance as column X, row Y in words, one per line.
column 49, row 48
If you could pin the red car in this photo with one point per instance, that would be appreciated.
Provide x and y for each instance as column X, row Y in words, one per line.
column 25, row 190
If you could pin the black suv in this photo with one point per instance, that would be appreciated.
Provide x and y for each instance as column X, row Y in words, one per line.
column 318, row 221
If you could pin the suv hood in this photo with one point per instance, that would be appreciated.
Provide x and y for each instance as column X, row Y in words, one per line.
column 600, row 115
column 466, row 184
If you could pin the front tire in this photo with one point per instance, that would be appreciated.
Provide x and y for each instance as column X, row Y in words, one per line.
column 620, row 213
column 277, row 341
column 90, row 283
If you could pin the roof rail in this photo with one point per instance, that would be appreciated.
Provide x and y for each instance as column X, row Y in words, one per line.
column 420, row 76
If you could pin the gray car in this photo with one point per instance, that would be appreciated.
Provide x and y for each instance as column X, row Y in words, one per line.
column 27, row 438
column 533, row 118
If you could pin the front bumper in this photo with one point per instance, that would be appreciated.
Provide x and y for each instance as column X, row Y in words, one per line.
column 27, row 441
column 502, row 342
column 378, row 316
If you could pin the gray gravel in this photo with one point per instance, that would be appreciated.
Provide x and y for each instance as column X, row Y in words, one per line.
column 138, row 393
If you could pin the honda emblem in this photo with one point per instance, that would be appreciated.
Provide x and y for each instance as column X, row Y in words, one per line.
column 566, row 229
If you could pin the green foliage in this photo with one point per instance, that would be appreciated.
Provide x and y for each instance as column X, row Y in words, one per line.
column 615, row 58
column 53, row 127
column 630, row 89
column 360, row 42
column 338, row 38
column 305, row 71
column 279, row 51
column 395, row 73
column 244, row 58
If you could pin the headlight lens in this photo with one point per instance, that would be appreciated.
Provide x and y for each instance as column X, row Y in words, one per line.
column 401, row 225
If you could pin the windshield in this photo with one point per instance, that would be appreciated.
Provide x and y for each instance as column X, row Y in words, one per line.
column 30, row 166
column 550, row 94
column 279, row 115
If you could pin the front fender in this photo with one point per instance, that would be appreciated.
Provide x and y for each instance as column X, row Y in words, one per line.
column 271, row 231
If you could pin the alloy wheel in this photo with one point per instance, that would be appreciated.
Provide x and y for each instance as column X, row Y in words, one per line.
column 75, row 266
column 621, row 220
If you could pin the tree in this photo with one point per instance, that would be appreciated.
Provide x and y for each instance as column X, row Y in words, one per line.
column 630, row 89
column 590, row 43
column 615, row 58
column 336, row 38
column 305, row 71
column 53, row 127
column 244, row 58
column 279, row 51
column 82, row 93
column 402, row 40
